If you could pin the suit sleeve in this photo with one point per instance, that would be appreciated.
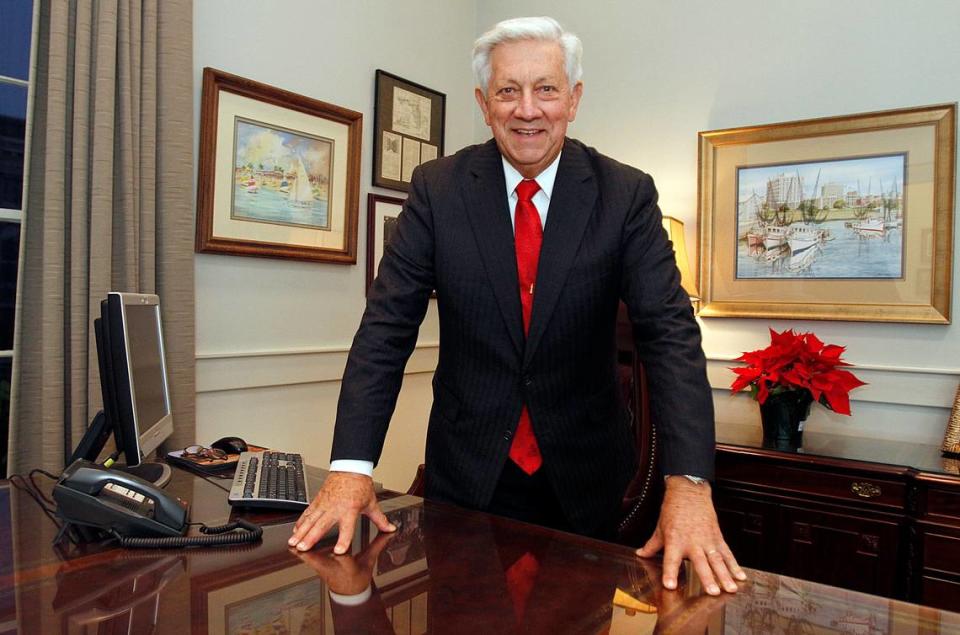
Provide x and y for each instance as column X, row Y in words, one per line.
column 396, row 304
column 367, row 618
column 668, row 340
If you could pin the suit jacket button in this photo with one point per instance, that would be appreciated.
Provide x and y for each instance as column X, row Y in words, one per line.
column 507, row 435
column 527, row 380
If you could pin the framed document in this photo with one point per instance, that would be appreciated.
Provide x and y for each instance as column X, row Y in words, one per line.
column 407, row 131
column 842, row 218
column 279, row 173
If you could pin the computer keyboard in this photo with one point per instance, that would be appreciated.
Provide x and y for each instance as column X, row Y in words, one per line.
column 270, row 479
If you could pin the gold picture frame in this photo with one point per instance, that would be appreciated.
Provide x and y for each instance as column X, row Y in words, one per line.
column 279, row 173
column 847, row 274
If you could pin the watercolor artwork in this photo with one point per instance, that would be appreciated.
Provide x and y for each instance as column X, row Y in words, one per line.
column 826, row 219
column 280, row 176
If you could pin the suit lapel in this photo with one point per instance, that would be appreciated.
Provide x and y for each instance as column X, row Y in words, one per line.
column 571, row 206
column 486, row 194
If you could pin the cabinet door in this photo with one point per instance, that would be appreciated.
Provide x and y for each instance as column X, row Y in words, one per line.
column 852, row 552
column 940, row 576
column 750, row 529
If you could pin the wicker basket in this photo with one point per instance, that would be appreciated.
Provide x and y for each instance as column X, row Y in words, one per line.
column 951, row 438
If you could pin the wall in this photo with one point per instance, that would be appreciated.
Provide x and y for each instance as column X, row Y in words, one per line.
column 656, row 73
column 272, row 335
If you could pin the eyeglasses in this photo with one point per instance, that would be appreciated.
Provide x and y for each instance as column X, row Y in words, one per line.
column 204, row 452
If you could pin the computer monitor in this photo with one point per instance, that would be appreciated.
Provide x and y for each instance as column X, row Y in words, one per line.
column 133, row 382
column 143, row 413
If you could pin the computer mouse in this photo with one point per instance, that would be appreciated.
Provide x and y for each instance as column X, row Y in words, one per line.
column 230, row 445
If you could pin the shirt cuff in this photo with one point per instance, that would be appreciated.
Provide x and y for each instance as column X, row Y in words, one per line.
column 352, row 600
column 352, row 465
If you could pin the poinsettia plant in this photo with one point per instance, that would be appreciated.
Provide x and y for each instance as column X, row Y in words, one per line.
column 797, row 361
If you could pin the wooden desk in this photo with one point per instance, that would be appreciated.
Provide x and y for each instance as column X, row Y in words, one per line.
column 442, row 573
column 866, row 514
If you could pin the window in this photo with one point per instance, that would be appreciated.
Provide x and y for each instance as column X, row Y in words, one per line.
column 16, row 35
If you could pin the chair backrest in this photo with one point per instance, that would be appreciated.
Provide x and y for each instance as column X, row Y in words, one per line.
column 641, row 502
column 419, row 483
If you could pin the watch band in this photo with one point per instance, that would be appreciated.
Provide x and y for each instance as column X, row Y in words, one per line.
column 696, row 480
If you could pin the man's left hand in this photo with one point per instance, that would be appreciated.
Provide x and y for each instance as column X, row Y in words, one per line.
column 688, row 528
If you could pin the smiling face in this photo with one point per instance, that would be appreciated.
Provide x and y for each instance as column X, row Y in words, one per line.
column 529, row 103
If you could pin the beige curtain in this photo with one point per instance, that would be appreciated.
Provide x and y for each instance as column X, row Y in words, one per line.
column 109, row 207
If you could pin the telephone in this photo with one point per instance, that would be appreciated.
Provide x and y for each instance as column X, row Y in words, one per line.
column 135, row 512
column 90, row 495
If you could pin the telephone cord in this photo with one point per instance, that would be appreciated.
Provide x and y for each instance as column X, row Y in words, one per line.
column 215, row 536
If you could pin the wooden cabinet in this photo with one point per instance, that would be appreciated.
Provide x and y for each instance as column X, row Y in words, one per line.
column 849, row 521
column 937, row 535
column 839, row 548
column 749, row 527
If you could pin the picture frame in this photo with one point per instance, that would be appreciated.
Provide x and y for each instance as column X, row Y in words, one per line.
column 382, row 213
column 242, row 599
column 400, row 572
column 279, row 173
column 408, row 129
column 231, row 593
column 839, row 218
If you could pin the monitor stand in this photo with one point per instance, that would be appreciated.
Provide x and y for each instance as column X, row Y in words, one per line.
column 157, row 473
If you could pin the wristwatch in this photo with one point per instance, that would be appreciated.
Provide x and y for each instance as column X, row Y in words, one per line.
column 696, row 480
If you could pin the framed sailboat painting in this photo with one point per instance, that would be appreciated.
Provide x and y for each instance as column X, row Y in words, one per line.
column 841, row 218
column 279, row 173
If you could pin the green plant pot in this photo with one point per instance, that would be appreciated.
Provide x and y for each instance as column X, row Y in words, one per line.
column 782, row 415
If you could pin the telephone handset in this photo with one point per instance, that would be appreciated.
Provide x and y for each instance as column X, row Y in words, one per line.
column 134, row 511
column 117, row 502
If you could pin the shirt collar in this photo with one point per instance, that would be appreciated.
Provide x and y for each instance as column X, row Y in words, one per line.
column 545, row 179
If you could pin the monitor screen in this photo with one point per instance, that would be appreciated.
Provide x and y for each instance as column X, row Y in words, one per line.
column 144, row 415
column 146, row 363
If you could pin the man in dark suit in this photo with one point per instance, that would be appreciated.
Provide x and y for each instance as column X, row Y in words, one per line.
column 530, row 241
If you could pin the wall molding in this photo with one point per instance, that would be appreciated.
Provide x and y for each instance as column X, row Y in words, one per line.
column 904, row 385
column 245, row 370
column 879, row 367
column 277, row 352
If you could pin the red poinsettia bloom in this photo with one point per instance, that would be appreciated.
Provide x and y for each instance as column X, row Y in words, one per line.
column 797, row 361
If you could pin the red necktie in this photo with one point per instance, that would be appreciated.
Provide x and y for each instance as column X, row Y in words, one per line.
column 520, row 578
column 528, row 235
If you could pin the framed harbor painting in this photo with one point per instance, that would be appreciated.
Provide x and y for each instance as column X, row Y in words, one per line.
column 408, row 128
column 279, row 173
column 841, row 218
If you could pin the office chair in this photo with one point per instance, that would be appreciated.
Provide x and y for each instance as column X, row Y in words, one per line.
column 416, row 488
column 640, row 508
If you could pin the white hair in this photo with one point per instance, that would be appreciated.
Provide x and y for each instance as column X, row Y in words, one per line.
column 542, row 28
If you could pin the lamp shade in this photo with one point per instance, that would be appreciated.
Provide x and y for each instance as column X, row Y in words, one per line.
column 674, row 229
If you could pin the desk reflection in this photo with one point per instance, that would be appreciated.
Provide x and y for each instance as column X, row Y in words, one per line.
column 445, row 570
column 122, row 595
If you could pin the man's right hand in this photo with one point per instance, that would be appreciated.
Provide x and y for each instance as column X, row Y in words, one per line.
column 341, row 500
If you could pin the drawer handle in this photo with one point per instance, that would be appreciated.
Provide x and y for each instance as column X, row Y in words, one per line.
column 865, row 490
